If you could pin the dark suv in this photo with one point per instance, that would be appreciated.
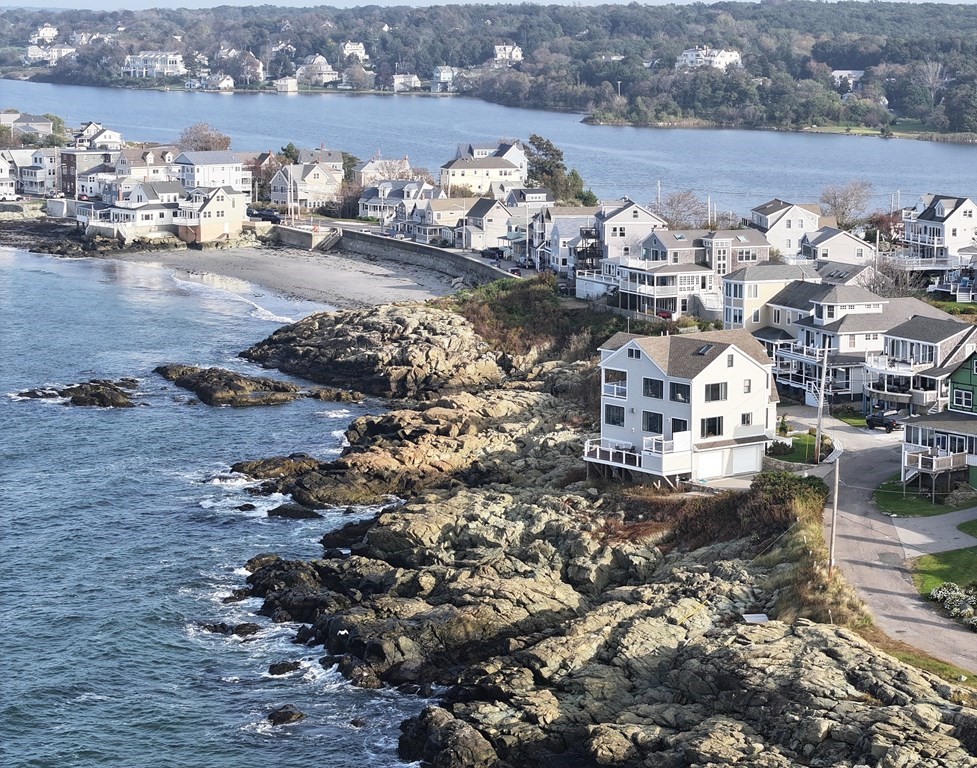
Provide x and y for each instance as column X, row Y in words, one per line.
column 889, row 421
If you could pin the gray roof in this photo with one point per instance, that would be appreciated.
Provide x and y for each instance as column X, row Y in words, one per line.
column 825, row 234
column 797, row 295
column 931, row 330
column 838, row 271
column 847, row 294
column 768, row 270
column 896, row 312
column 686, row 355
column 950, row 204
column 483, row 206
column 479, row 162
column 767, row 333
column 946, row 421
column 208, row 158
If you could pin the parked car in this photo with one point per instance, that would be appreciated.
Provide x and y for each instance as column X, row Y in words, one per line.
column 889, row 421
column 10, row 198
column 271, row 215
column 515, row 271
column 492, row 253
column 664, row 314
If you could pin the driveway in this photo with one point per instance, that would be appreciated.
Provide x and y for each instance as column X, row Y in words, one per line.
column 870, row 551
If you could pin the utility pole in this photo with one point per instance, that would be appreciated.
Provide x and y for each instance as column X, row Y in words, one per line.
column 824, row 377
column 834, row 519
column 618, row 87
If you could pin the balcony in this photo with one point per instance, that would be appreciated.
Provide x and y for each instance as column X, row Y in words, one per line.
column 919, row 239
column 878, row 361
column 615, row 389
column 795, row 351
column 649, row 290
column 665, row 458
column 924, row 459
column 597, row 276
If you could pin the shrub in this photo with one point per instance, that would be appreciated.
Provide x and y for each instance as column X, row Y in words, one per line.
column 778, row 448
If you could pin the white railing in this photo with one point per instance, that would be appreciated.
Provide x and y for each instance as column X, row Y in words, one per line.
column 925, row 460
column 615, row 389
column 912, row 237
column 612, row 452
column 597, row 276
column 883, row 362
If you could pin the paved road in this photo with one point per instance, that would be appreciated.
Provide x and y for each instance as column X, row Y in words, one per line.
column 871, row 554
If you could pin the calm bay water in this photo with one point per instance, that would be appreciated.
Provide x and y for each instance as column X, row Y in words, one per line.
column 119, row 534
column 737, row 169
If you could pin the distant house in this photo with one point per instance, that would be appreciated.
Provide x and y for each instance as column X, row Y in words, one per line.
column 25, row 125
column 44, row 34
column 327, row 158
column 403, row 83
column 506, row 55
column 847, row 77
column 355, row 50
column 478, row 174
column 306, row 186
column 287, row 85
column 443, row 79
column 154, row 164
column 379, row 168
column 701, row 56
column 213, row 169
column 381, row 202
column 41, row 176
column 210, row 215
column 687, row 407
column 784, row 224
column 316, row 70
column 154, row 64
column 938, row 227
column 838, row 245
column 564, row 239
column 485, row 225
column 747, row 290
column 436, row 219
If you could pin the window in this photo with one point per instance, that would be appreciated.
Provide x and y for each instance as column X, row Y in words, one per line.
column 679, row 425
column 653, row 388
column 715, row 392
column 730, row 359
column 859, row 252
column 651, row 422
column 635, row 214
column 746, row 419
column 614, row 415
column 788, row 223
column 634, row 354
column 751, row 291
column 711, row 427
column 747, row 386
column 776, row 316
column 678, row 392
column 787, row 243
column 756, row 315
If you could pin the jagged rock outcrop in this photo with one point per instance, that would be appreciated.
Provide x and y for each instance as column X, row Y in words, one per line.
column 218, row 386
column 99, row 393
column 408, row 350
column 516, row 436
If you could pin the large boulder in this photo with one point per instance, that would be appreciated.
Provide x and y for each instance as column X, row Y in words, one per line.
column 98, row 393
column 407, row 350
column 218, row 386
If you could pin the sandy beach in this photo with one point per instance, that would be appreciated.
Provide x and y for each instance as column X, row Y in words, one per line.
column 342, row 280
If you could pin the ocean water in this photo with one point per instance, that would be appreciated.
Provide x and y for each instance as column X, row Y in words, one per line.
column 120, row 534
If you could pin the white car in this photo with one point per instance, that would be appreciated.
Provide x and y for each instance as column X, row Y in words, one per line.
column 10, row 198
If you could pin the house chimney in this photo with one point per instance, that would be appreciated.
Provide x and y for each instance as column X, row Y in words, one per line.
column 322, row 145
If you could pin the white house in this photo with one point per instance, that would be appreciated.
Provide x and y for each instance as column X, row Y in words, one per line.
column 838, row 245
column 355, row 50
column 403, row 82
column 686, row 407
column 938, row 227
column 478, row 174
column 306, row 186
column 506, row 55
column 442, row 80
column 154, row 64
column 701, row 56
column 784, row 224
column 213, row 169
column 316, row 70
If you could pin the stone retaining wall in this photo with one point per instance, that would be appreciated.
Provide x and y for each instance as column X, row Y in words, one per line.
column 420, row 255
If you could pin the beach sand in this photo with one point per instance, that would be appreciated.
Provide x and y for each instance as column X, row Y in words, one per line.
column 342, row 280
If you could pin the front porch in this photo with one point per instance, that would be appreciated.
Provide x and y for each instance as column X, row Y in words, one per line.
column 670, row 460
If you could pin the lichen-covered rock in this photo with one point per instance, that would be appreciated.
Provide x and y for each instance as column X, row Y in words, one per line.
column 408, row 350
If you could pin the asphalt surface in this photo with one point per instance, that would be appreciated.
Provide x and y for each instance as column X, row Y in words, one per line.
column 873, row 550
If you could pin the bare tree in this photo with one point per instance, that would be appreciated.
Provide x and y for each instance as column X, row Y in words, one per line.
column 200, row 137
column 847, row 203
column 682, row 210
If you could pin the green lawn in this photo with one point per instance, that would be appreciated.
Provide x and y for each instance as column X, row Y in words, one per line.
column 802, row 450
column 970, row 527
column 852, row 419
column 889, row 499
column 958, row 566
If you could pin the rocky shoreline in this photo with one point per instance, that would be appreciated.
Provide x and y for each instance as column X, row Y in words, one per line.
column 562, row 624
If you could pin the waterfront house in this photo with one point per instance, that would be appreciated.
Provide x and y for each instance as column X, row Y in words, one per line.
column 686, row 407
column 77, row 164
column 406, row 82
column 154, row 64
column 912, row 372
column 31, row 127
column 442, row 80
column 41, row 177
column 512, row 151
column 381, row 202
column 478, row 174
column 316, row 70
column 936, row 229
column 287, row 85
column 436, row 219
column 210, row 215
column 832, row 244
column 148, row 164
column 133, row 210
column 8, row 179
column 213, row 169
column 485, row 225
column 564, row 239
column 944, row 444
column 306, row 186
column 784, row 224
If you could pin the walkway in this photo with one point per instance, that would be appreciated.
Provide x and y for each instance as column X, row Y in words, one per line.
column 872, row 549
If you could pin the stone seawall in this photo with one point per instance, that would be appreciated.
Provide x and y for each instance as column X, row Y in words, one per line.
column 417, row 254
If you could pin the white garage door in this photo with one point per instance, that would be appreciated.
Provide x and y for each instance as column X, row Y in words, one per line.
column 711, row 464
column 745, row 459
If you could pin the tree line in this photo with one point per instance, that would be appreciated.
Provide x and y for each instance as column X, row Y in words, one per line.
column 614, row 62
